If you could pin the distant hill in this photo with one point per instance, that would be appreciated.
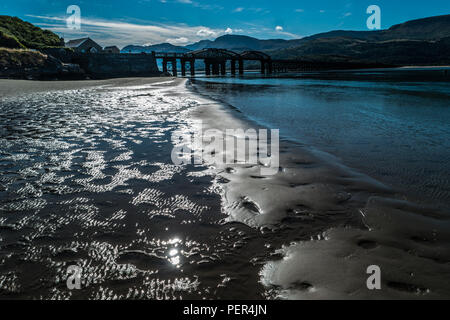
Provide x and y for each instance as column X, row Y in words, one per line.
column 390, row 52
column 239, row 43
column 16, row 33
column 163, row 47
column 432, row 28
column 422, row 41
column 230, row 42
column 200, row 45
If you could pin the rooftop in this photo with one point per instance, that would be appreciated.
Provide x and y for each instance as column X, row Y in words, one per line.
column 76, row 42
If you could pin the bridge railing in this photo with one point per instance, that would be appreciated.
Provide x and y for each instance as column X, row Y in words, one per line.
column 215, row 53
column 169, row 55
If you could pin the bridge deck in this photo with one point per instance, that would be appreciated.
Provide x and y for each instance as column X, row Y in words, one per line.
column 212, row 53
column 215, row 60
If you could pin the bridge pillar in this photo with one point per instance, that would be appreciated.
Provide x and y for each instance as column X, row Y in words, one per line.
column 270, row 67
column 183, row 67
column 164, row 65
column 263, row 66
column 192, row 64
column 241, row 66
column 207, row 67
column 215, row 68
column 223, row 70
column 174, row 67
column 233, row 67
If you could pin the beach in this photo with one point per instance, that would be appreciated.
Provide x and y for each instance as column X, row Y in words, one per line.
column 88, row 180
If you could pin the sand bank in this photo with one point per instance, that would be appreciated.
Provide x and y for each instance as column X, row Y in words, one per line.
column 10, row 87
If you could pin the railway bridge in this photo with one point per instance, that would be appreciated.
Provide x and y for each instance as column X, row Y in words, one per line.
column 215, row 61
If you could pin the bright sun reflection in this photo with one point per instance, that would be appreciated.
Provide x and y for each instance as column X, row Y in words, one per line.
column 173, row 254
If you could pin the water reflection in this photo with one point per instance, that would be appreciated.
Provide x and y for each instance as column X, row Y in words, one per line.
column 393, row 127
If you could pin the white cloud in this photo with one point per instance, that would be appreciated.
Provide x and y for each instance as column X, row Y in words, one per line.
column 239, row 9
column 279, row 28
column 180, row 40
column 347, row 14
column 299, row 10
column 206, row 32
column 120, row 33
column 196, row 4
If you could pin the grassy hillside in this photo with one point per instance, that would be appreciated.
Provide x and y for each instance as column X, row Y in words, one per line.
column 16, row 33
column 423, row 41
column 19, row 58
column 432, row 28
column 391, row 52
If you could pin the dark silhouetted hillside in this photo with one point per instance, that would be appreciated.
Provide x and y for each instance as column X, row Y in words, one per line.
column 163, row 47
column 421, row 41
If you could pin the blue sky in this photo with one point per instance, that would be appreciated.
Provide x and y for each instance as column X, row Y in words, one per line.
column 185, row 21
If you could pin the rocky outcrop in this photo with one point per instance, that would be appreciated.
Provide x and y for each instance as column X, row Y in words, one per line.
column 28, row 64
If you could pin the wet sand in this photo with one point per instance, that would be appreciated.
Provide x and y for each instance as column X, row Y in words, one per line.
column 15, row 87
column 364, row 223
column 87, row 180
column 143, row 228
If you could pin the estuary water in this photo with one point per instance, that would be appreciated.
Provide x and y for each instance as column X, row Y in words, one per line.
column 393, row 125
column 87, row 180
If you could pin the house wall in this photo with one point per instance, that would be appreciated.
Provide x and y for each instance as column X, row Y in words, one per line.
column 111, row 50
column 87, row 45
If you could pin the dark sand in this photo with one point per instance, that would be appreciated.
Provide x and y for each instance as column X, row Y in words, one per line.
column 308, row 232
column 363, row 223
column 10, row 87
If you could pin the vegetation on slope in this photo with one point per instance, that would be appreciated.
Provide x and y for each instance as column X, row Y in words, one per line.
column 16, row 33
column 391, row 52
column 21, row 58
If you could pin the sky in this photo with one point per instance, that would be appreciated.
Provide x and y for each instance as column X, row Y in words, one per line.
column 180, row 22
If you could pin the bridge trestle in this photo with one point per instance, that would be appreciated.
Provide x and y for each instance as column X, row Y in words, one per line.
column 215, row 61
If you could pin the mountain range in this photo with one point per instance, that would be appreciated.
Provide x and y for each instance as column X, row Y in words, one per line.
column 424, row 40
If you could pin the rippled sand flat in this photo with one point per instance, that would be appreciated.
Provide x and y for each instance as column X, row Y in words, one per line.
column 335, row 222
column 87, row 179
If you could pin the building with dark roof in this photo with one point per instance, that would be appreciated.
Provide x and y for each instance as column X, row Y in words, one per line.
column 111, row 49
column 84, row 45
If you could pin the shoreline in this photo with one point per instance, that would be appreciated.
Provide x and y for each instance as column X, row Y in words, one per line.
column 396, row 179
column 379, row 228
column 8, row 87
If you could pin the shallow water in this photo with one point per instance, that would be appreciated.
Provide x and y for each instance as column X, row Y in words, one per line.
column 390, row 125
column 87, row 180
